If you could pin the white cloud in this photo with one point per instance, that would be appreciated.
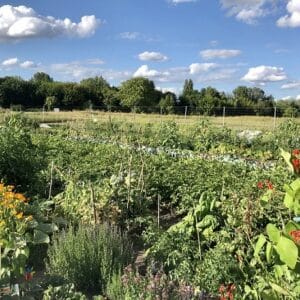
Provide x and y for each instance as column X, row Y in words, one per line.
column 264, row 74
column 197, row 68
column 248, row 11
column 21, row 22
column 15, row 62
column 129, row 35
column 174, row 90
column 287, row 98
column 78, row 70
column 291, row 98
column 219, row 53
column 292, row 19
column 205, row 72
column 218, row 75
column 152, row 56
column 144, row 71
column 10, row 62
column 27, row 64
column 291, row 85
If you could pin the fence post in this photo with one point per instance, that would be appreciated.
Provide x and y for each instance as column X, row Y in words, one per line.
column 185, row 111
column 275, row 116
column 43, row 114
column 224, row 114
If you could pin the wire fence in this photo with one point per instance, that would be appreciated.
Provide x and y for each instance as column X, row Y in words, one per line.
column 237, row 117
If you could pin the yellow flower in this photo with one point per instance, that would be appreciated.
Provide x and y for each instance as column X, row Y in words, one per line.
column 10, row 188
column 29, row 218
column 19, row 215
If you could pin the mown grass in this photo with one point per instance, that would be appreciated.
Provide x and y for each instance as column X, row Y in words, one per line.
column 238, row 122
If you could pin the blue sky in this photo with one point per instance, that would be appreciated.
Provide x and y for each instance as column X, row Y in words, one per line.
column 219, row 43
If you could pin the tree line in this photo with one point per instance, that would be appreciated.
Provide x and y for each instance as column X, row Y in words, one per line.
column 137, row 94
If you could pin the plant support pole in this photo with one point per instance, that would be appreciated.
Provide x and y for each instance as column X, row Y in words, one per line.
column 51, row 180
column 275, row 116
column 224, row 114
column 158, row 210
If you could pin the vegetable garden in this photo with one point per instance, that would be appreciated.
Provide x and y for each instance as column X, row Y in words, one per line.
column 117, row 210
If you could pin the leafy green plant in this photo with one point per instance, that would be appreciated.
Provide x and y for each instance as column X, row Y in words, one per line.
column 64, row 292
column 89, row 256
column 20, row 160
column 281, row 246
column 219, row 267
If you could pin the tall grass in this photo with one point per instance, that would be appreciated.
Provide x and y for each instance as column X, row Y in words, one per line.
column 89, row 256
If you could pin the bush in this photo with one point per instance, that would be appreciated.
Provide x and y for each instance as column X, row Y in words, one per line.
column 20, row 159
column 89, row 256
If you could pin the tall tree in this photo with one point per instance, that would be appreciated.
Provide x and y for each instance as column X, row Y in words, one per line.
column 41, row 77
column 96, row 88
column 167, row 103
column 138, row 93
column 188, row 96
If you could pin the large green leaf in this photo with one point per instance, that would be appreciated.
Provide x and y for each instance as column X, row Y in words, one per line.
column 279, row 289
column 40, row 237
column 273, row 233
column 287, row 157
column 269, row 252
column 259, row 244
column 46, row 227
column 288, row 251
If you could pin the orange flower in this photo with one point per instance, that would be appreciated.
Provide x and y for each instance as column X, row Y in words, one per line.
column 20, row 197
column 296, row 165
column 296, row 152
column 260, row 185
column 295, row 234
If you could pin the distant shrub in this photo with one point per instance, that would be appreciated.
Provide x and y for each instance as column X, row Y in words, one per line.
column 89, row 256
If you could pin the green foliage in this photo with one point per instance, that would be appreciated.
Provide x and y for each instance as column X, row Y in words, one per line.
column 138, row 92
column 64, row 292
column 20, row 160
column 89, row 256
column 219, row 267
column 281, row 255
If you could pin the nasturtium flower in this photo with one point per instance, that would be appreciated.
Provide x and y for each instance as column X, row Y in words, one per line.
column 296, row 152
column 295, row 234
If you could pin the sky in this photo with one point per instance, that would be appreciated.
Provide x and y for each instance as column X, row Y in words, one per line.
column 218, row 43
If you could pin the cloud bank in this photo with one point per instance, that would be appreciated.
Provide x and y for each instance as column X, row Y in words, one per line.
column 22, row 22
